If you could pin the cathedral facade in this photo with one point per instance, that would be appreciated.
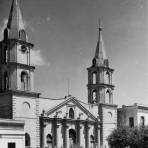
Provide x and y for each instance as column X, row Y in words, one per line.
column 64, row 123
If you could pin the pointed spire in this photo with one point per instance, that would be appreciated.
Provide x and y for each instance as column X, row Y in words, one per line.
column 15, row 21
column 100, row 51
column 100, row 54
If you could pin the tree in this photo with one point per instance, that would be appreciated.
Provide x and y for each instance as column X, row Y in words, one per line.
column 129, row 137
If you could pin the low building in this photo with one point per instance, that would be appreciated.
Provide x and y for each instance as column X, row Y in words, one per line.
column 132, row 116
column 12, row 134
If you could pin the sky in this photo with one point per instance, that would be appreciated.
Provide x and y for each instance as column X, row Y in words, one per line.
column 65, row 36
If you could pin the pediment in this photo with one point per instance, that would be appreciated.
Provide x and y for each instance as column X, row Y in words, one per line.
column 62, row 110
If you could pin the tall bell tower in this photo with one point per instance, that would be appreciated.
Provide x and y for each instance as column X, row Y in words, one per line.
column 16, row 73
column 100, row 87
column 100, row 91
column 18, row 100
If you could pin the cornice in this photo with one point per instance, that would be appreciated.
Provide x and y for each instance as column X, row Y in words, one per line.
column 21, row 93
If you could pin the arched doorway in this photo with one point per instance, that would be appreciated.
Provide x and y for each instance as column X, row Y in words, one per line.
column 49, row 141
column 92, row 141
column 72, row 138
column 27, row 140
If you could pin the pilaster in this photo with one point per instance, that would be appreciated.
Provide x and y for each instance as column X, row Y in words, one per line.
column 78, row 128
column 65, row 134
column 87, row 134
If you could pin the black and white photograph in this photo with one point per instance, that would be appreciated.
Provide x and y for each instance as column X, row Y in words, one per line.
column 73, row 74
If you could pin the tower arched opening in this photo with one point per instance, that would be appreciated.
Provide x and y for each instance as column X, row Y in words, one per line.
column 22, row 35
column 94, row 77
column 6, row 34
column 108, row 78
column 24, row 80
column 108, row 98
column 5, row 54
column 94, row 96
column 6, row 81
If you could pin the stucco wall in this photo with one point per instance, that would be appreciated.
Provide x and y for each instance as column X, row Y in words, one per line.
column 25, row 108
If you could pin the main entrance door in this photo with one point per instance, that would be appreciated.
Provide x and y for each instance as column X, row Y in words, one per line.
column 11, row 145
column 72, row 138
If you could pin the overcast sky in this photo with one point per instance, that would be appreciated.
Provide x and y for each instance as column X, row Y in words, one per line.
column 65, row 36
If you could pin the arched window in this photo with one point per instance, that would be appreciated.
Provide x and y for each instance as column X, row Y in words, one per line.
column 27, row 140
column 94, row 62
column 49, row 140
column 94, row 75
column 142, row 121
column 110, row 114
column 92, row 141
column 26, row 108
column 108, row 81
column 22, row 35
column 108, row 98
column 71, row 113
column 24, row 81
column 5, row 34
column 94, row 96
column 5, row 54
column 6, row 81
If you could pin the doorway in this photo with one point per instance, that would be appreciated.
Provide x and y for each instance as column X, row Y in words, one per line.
column 11, row 145
column 72, row 138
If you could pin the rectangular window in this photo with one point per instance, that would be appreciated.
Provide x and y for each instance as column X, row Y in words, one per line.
column 11, row 145
column 131, row 122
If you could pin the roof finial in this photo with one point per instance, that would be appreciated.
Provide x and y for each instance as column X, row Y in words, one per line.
column 100, row 28
column 100, row 51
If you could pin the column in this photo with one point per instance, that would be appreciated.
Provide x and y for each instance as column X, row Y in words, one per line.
column 65, row 134
column 42, row 133
column 78, row 127
column 58, row 132
column 97, row 135
column 87, row 135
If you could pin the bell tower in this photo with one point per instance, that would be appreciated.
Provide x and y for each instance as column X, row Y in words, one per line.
column 16, row 73
column 18, row 100
column 100, row 91
column 100, row 88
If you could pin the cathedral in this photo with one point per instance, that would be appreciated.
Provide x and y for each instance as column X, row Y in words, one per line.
column 70, row 123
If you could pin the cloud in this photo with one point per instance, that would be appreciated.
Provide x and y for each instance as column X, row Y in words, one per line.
column 37, row 59
column 28, row 25
column 2, row 27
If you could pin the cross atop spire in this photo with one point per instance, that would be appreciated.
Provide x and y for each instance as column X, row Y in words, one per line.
column 100, row 50
column 100, row 54
column 15, row 21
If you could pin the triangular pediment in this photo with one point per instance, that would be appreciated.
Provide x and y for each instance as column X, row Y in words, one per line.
column 62, row 110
